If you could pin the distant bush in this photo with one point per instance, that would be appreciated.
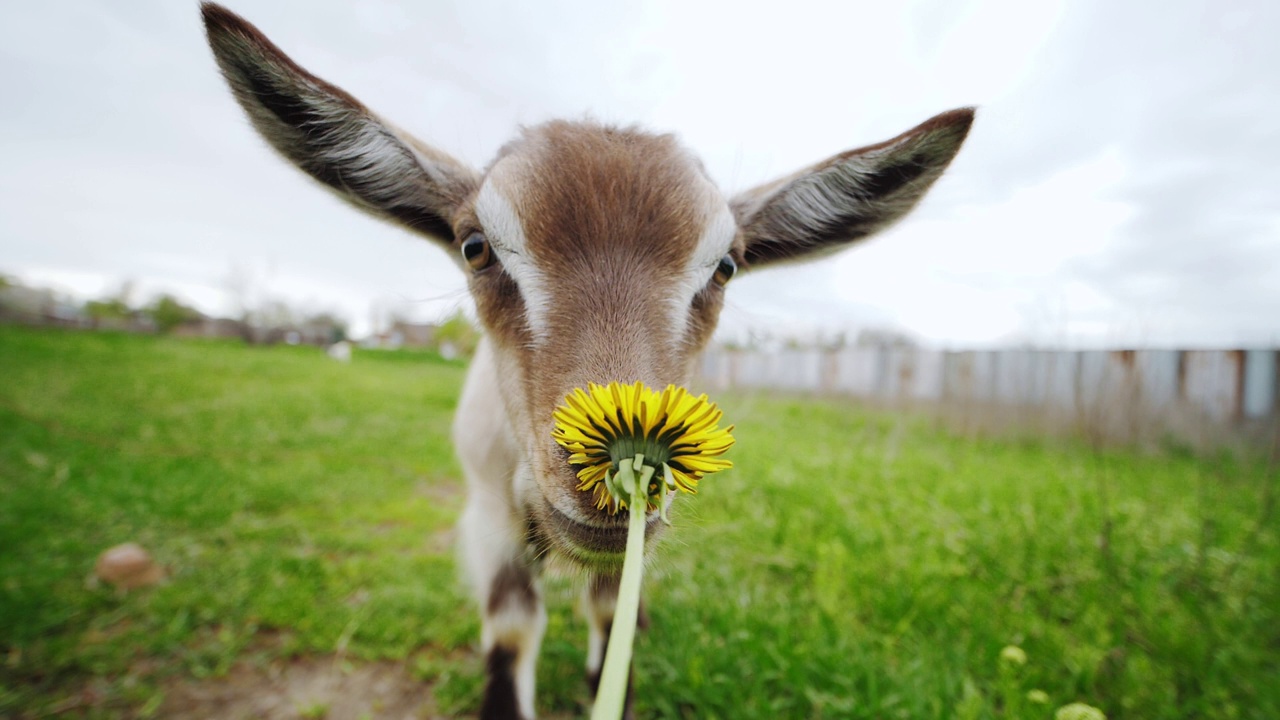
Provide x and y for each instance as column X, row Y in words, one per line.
column 168, row 313
column 459, row 333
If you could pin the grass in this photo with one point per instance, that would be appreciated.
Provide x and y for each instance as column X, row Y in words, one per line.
column 854, row 564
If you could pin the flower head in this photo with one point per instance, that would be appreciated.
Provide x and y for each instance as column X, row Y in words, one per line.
column 1079, row 711
column 1013, row 655
column 673, row 432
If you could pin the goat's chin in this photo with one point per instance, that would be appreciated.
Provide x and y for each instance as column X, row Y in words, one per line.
column 599, row 547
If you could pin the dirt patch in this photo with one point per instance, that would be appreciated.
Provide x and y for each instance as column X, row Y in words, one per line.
column 443, row 491
column 302, row 688
column 441, row 542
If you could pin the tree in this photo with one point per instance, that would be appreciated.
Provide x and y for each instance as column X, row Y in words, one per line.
column 458, row 332
column 168, row 313
column 114, row 308
column 107, row 309
column 333, row 327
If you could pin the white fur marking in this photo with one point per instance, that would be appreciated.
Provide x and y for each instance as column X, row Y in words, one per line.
column 595, row 647
column 520, row 629
column 526, row 674
column 370, row 155
column 598, row 610
column 713, row 245
column 814, row 199
column 716, row 239
column 507, row 239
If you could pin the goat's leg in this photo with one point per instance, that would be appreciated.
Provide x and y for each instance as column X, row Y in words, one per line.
column 514, row 618
column 492, row 540
column 600, row 600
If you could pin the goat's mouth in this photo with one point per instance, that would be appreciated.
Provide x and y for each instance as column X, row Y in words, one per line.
column 593, row 545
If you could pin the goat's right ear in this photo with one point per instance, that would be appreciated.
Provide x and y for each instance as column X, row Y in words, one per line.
column 333, row 137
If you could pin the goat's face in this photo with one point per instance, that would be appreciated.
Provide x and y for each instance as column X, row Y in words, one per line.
column 595, row 254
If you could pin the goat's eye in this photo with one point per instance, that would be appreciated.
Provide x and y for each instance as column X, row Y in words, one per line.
column 475, row 250
column 725, row 270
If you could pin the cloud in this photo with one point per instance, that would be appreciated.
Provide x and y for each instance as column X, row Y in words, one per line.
column 1194, row 103
column 1121, row 182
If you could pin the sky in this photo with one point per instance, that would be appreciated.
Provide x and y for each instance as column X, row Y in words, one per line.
column 1120, row 187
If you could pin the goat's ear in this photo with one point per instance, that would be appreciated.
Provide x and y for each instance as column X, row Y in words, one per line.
column 846, row 198
column 333, row 137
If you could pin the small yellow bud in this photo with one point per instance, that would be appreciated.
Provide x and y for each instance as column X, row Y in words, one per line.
column 1013, row 655
column 1079, row 711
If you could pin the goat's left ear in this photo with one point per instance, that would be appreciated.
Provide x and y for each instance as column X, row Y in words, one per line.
column 335, row 139
column 848, row 197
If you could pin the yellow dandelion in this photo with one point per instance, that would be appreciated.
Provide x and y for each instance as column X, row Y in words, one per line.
column 630, row 442
column 672, row 432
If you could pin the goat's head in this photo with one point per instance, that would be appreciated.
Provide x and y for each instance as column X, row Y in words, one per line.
column 594, row 253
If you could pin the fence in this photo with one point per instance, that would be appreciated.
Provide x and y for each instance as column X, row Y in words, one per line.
column 1196, row 394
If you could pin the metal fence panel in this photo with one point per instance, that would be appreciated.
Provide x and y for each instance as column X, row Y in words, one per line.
column 1142, row 385
column 1260, row 377
column 856, row 371
column 1211, row 381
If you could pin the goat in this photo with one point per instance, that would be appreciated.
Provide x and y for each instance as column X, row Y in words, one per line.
column 594, row 254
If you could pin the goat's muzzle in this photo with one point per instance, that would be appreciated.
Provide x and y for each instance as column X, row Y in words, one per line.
column 600, row 543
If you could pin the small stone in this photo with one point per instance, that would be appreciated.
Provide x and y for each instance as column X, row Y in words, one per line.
column 128, row 566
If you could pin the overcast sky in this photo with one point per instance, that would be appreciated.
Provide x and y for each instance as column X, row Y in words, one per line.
column 1121, row 184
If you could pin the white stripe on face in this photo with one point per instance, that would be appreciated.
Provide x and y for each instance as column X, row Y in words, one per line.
column 714, row 244
column 506, row 236
column 716, row 239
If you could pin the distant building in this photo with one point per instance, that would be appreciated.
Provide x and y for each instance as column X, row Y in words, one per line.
column 403, row 334
column 885, row 338
column 320, row 331
column 39, row 306
column 210, row 327
column 415, row 334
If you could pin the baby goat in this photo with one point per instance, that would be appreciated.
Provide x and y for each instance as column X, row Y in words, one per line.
column 594, row 254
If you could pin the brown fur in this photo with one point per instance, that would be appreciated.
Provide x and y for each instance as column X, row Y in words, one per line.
column 513, row 585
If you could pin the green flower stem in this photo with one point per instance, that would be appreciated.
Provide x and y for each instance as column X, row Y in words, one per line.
column 617, row 658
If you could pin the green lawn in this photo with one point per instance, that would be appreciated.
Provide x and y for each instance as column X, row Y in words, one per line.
column 853, row 564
